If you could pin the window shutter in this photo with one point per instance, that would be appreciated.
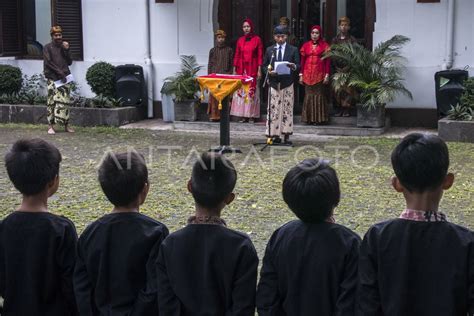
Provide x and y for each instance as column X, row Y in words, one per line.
column 11, row 31
column 68, row 15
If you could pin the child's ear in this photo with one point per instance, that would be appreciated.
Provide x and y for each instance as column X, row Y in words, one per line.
column 190, row 187
column 229, row 198
column 144, row 193
column 448, row 181
column 397, row 185
column 53, row 186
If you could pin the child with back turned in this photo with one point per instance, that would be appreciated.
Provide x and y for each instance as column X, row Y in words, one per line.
column 420, row 263
column 206, row 268
column 37, row 248
column 310, row 264
column 113, row 252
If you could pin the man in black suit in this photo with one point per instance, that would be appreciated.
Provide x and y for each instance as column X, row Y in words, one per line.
column 281, row 95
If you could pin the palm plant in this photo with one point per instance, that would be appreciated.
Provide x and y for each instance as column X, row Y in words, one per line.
column 460, row 113
column 376, row 75
column 183, row 84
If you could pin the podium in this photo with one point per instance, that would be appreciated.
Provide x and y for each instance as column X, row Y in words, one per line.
column 221, row 87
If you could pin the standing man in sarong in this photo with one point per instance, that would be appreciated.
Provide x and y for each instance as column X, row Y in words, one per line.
column 220, row 62
column 344, row 99
column 57, row 59
column 281, row 96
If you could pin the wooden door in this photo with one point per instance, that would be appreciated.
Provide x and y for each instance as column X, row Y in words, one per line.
column 232, row 13
column 324, row 13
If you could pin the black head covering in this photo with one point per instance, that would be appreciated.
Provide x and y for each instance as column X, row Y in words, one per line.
column 278, row 30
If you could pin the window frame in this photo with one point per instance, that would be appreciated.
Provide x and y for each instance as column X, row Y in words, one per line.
column 18, row 28
column 77, row 45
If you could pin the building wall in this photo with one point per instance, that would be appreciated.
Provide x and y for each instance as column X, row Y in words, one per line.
column 184, row 27
column 115, row 31
column 425, row 24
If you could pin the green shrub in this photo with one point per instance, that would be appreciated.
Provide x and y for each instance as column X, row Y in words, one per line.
column 10, row 98
column 467, row 98
column 10, row 79
column 30, row 90
column 464, row 110
column 102, row 101
column 101, row 77
column 42, row 99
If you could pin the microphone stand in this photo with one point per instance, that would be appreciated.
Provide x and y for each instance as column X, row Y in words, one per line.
column 269, row 68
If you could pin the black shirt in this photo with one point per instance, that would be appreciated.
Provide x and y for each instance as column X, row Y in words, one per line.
column 309, row 269
column 37, row 255
column 416, row 268
column 206, row 269
column 112, row 254
column 56, row 60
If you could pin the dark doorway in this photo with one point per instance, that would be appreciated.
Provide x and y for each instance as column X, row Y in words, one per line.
column 232, row 13
column 305, row 13
column 302, row 15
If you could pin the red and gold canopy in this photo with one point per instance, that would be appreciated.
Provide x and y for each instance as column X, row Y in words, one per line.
column 220, row 86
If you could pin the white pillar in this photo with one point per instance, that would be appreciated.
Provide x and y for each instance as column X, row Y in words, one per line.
column 449, row 59
column 148, row 62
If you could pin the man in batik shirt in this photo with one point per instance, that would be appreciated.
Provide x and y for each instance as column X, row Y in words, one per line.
column 220, row 62
column 344, row 99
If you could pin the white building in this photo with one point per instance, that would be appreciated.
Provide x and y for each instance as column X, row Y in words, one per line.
column 154, row 33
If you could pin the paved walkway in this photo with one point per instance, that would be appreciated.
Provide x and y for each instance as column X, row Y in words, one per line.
column 256, row 130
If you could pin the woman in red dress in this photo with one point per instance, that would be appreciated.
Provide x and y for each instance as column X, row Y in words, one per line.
column 315, row 76
column 247, row 61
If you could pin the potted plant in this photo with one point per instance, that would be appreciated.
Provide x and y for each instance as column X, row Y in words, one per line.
column 184, row 86
column 375, row 75
column 459, row 124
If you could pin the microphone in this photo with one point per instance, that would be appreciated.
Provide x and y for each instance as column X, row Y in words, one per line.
column 270, row 68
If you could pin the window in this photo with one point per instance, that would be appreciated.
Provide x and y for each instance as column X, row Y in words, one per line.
column 11, row 40
column 37, row 13
column 68, row 14
column 25, row 25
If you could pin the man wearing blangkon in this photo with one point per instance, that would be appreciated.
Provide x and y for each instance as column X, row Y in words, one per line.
column 57, row 59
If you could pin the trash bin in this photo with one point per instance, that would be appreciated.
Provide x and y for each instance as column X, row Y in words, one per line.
column 167, row 105
column 449, row 87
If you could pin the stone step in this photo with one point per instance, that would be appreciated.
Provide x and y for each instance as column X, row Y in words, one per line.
column 339, row 129
column 333, row 120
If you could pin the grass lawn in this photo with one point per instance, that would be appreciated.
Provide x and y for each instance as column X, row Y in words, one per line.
column 363, row 166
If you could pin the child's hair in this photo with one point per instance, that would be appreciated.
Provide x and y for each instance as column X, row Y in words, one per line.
column 122, row 177
column 213, row 178
column 31, row 164
column 421, row 162
column 311, row 190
